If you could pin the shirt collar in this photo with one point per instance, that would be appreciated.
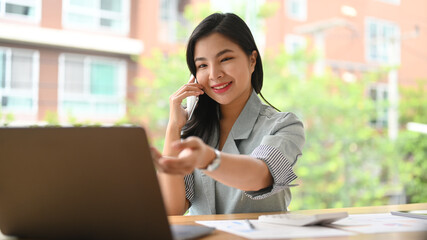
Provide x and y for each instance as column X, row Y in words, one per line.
column 247, row 118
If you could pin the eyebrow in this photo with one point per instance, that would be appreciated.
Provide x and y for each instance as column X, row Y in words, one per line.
column 217, row 55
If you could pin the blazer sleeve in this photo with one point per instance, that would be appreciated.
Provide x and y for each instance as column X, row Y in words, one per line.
column 280, row 148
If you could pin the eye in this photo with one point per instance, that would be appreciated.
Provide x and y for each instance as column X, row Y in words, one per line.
column 226, row 59
column 202, row 66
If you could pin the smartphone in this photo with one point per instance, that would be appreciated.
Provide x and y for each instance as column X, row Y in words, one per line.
column 191, row 101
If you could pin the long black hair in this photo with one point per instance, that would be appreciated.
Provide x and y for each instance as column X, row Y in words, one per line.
column 207, row 115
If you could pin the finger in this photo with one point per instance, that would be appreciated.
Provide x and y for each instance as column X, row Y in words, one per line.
column 193, row 87
column 186, row 91
column 187, row 87
column 190, row 142
column 155, row 153
column 193, row 82
column 165, row 164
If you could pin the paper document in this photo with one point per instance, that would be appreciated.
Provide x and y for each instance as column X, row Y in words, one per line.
column 352, row 225
column 272, row 231
column 380, row 223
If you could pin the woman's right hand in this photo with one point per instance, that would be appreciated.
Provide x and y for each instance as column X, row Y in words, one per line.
column 192, row 153
column 177, row 114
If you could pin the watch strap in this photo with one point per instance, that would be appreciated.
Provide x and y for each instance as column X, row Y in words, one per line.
column 215, row 163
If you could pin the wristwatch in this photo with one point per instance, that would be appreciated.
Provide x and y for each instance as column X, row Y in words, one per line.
column 215, row 163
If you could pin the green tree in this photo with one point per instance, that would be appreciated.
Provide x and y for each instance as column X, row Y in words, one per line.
column 152, row 102
column 413, row 145
column 345, row 162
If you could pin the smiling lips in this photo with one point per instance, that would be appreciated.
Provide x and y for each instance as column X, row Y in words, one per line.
column 220, row 88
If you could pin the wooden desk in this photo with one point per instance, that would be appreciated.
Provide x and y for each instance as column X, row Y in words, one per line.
column 355, row 210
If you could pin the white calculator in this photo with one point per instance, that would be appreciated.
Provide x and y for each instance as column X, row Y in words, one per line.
column 302, row 219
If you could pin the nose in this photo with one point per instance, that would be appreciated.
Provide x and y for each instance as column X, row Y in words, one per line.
column 215, row 72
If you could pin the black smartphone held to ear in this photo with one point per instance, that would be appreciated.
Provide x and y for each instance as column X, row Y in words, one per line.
column 191, row 101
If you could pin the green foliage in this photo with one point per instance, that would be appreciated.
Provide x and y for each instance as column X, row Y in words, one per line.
column 412, row 145
column 268, row 9
column 51, row 118
column 6, row 119
column 413, row 104
column 413, row 166
column 345, row 162
column 152, row 104
column 195, row 13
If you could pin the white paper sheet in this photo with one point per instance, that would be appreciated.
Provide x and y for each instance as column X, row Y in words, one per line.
column 272, row 231
column 380, row 223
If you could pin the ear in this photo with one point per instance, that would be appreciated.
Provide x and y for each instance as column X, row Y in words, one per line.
column 252, row 60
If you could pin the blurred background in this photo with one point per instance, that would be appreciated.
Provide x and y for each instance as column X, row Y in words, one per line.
column 355, row 72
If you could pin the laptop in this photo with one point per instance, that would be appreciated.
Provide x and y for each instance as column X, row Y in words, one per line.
column 82, row 183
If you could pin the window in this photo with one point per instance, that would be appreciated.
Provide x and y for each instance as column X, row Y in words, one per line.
column 19, row 80
column 295, row 44
column 249, row 12
column 91, row 87
column 107, row 15
column 382, row 41
column 296, row 9
column 396, row 2
column 378, row 93
column 171, row 19
column 21, row 9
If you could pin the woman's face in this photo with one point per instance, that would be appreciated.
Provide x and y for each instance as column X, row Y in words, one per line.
column 223, row 69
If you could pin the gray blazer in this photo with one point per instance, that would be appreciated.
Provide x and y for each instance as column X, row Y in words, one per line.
column 262, row 132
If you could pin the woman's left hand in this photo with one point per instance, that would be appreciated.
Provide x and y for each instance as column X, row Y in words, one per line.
column 193, row 153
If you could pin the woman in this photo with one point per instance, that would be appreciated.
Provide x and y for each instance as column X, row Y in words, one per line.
column 235, row 154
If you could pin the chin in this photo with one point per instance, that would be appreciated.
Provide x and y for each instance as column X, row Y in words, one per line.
column 223, row 101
